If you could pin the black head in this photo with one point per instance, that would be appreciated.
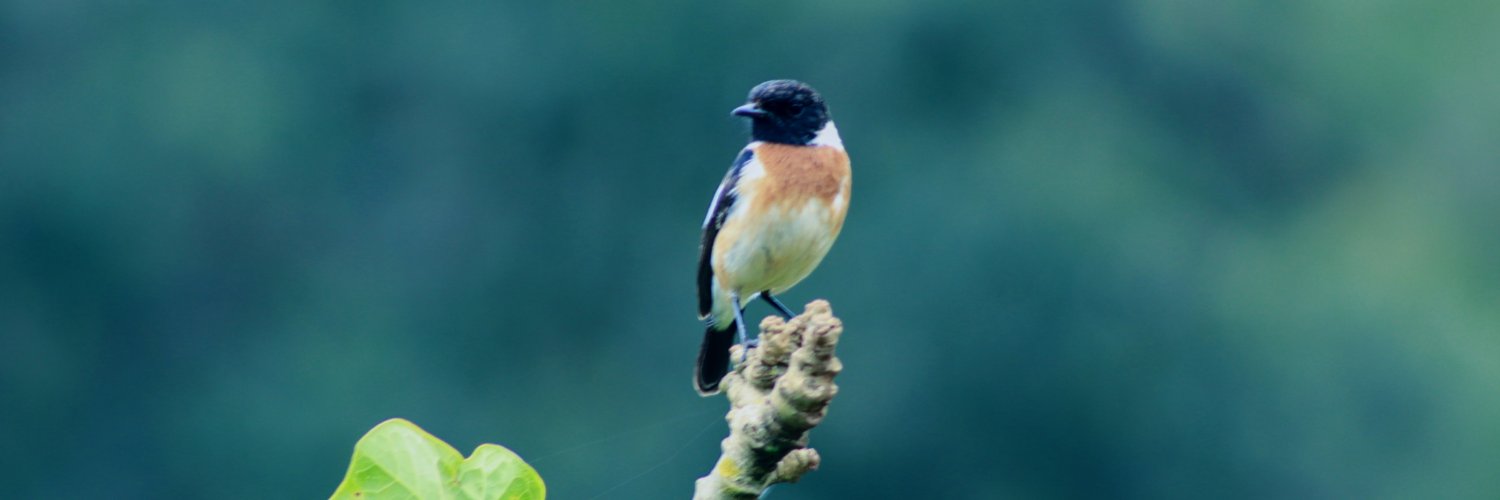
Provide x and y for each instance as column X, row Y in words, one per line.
column 784, row 111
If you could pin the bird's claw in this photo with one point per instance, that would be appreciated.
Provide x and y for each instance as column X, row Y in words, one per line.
column 748, row 344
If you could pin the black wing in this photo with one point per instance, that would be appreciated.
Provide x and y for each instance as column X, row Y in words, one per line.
column 717, row 212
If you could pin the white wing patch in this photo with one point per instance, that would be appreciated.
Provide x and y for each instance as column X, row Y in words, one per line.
column 714, row 205
column 752, row 170
column 736, row 173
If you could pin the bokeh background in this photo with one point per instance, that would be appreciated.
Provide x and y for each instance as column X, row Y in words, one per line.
column 1140, row 249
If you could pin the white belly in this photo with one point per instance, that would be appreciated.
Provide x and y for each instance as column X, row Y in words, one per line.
column 786, row 245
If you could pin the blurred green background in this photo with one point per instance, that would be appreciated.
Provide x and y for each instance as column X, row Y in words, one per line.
column 1141, row 249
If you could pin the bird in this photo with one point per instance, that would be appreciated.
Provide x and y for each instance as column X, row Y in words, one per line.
column 772, row 219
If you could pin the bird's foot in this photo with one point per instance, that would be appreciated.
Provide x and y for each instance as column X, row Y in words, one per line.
column 749, row 344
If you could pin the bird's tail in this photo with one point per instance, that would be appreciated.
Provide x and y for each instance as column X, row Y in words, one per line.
column 713, row 358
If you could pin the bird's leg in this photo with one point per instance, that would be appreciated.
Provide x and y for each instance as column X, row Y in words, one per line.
column 739, row 322
column 781, row 308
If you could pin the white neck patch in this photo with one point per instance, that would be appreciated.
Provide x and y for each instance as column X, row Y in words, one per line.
column 829, row 136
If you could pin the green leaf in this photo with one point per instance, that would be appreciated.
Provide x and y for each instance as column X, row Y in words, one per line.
column 398, row 460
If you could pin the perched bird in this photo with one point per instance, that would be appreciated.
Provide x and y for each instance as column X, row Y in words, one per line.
column 773, row 218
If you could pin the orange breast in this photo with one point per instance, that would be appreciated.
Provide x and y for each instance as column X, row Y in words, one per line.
column 798, row 174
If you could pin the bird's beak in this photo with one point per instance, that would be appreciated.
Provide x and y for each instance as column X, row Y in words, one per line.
column 751, row 110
